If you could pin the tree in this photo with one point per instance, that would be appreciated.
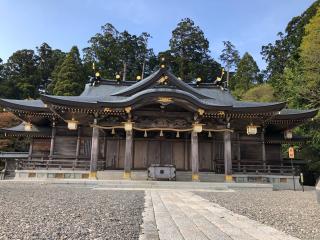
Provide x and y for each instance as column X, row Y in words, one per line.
column 21, row 76
column 48, row 61
column 70, row 79
column 247, row 75
column 190, row 53
column 260, row 93
column 119, row 52
column 230, row 57
column 310, row 59
column 285, row 51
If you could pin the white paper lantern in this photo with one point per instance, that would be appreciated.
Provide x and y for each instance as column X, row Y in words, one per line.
column 27, row 126
column 252, row 129
column 197, row 127
column 72, row 124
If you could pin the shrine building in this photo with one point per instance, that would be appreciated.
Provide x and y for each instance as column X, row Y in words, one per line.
column 118, row 129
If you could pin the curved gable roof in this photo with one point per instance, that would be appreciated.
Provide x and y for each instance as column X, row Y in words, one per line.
column 152, row 80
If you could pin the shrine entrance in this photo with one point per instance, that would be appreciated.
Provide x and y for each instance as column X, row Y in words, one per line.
column 161, row 151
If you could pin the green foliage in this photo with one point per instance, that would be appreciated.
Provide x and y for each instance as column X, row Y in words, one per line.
column 247, row 74
column 260, row 93
column 20, row 75
column 299, row 81
column 49, row 58
column 230, row 57
column 119, row 52
column 310, row 59
column 285, row 50
column 70, row 78
column 189, row 53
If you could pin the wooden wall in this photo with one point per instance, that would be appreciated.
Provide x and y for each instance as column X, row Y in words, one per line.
column 41, row 147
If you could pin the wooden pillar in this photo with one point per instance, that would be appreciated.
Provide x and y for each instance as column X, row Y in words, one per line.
column 94, row 152
column 128, row 155
column 78, row 147
column 30, row 149
column 263, row 149
column 238, row 152
column 53, row 136
column 213, row 154
column 194, row 156
column 227, row 156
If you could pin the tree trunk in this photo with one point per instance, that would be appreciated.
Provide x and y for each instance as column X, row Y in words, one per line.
column 143, row 66
column 228, row 75
column 124, row 71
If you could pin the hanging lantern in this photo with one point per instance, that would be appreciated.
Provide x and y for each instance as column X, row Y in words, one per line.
column 72, row 124
column 197, row 127
column 113, row 132
column 198, row 79
column 138, row 78
column 128, row 126
column 118, row 77
column 145, row 134
column 161, row 133
column 27, row 126
column 209, row 134
column 288, row 134
column 252, row 129
column 177, row 135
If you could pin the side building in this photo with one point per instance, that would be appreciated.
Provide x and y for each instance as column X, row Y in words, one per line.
column 118, row 129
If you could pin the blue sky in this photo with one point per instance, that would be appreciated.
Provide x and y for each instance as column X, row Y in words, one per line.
column 248, row 24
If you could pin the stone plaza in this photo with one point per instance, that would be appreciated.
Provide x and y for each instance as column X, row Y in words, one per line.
column 63, row 209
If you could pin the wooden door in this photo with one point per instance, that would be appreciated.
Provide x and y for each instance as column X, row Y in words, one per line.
column 205, row 156
column 140, row 154
column 122, row 149
column 112, row 154
column 166, row 152
column 153, row 153
column 178, row 152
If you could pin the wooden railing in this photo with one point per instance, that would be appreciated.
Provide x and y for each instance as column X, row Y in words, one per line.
column 63, row 163
column 258, row 169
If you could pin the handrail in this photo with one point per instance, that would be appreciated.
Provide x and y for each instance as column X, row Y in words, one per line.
column 2, row 153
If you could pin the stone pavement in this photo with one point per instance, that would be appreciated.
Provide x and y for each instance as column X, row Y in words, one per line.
column 181, row 214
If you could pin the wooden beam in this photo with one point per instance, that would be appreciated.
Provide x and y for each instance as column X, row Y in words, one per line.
column 194, row 156
column 128, row 155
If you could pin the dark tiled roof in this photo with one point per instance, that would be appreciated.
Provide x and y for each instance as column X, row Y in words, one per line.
column 109, row 93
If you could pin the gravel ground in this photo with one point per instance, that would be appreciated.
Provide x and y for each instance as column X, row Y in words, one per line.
column 296, row 213
column 42, row 211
